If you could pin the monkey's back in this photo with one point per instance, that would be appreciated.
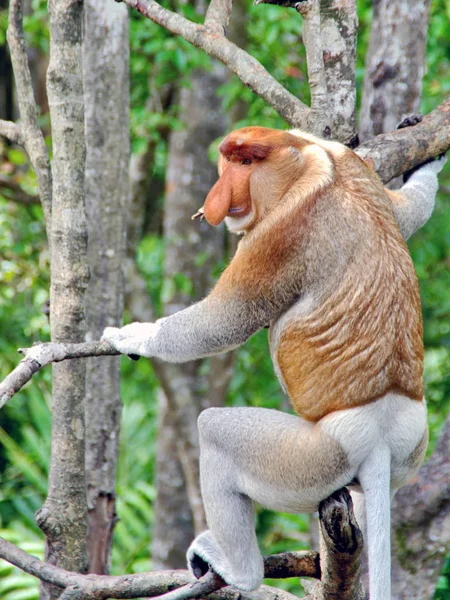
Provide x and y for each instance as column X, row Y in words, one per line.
column 363, row 337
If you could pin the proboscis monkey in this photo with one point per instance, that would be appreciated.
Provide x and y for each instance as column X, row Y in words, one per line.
column 324, row 262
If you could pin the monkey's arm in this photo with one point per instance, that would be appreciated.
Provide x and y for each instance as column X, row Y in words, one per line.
column 413, row 204
column 240, row 304
column 203, row 329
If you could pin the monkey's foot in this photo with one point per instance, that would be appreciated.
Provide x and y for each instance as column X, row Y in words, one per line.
column 204, row 555
column 410, row 121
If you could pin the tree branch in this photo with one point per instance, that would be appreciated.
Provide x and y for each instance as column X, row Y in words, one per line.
column 394, row 153
column 17, row 193
column 11, row 131
column 169, row 585
column 42, row 354
column 31, row 134
column 242, row 64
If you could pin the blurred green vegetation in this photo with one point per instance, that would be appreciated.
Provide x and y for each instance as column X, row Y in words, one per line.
column 157, row 60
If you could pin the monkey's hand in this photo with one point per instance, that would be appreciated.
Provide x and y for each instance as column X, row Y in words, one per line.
column 433, row 166
column 132, row 339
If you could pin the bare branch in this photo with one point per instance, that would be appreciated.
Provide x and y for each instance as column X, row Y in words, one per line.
column 11, row 131
column 18, row 194
column 31, row 134
column 158, row 583
column 394, row 153
column 242, row 64
column 42, row 354
column 283, row 565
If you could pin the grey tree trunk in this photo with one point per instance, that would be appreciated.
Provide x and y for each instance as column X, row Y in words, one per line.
column 394, row 64
column 421, row 526
column 106, row 95
column 64, row 515
column 190, row 175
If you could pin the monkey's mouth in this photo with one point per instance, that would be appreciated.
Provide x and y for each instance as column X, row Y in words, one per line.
column 238, row 211
column 233, row 211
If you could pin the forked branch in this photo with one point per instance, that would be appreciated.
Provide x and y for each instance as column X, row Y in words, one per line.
column 340, row 573
column 28, row 132
column 209, row 38
column 168, row 585
column 43, row 354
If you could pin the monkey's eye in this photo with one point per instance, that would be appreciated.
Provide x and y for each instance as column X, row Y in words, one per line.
column 246, row 161
column 227, row 158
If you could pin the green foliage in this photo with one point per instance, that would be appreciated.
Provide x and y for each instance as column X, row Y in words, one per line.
column 158, row 59
column 273, row 38
column 443, row 583
column 14, row 584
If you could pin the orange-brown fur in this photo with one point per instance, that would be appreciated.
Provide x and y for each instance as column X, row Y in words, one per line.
column 323, row 227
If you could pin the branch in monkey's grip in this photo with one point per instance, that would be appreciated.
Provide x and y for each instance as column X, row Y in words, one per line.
column 153, row 584
column 411, row 121
column 42, row 354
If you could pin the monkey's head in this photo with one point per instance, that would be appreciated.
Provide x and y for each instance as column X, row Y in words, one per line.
column 257, row 166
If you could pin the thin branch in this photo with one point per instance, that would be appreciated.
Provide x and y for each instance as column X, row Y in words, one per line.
column 242, row 64
column 17, row 193
column 42, row 354
column 11, row 131
column 32, row 137
column 169, row 585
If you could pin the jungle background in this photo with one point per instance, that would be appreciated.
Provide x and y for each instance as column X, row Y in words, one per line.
column 181, row 105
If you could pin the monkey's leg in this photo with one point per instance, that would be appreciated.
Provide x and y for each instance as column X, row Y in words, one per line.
column 251, row 454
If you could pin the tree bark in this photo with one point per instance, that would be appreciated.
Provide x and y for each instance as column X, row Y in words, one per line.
column 190, row 175
column 421, row 526
column 106, row 95
column 393, row 83
column 64, row 514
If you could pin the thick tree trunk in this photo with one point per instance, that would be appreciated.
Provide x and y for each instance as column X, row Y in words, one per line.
column 106, row 94
column 190, row 175
column 64, row 514
column 394, row 64
column 339, row 27
column 421, row 526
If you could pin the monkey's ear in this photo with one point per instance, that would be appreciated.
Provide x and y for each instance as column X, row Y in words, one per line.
column 218, row 201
